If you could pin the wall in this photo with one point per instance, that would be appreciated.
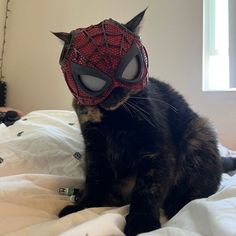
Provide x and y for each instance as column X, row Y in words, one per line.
column 172, row 33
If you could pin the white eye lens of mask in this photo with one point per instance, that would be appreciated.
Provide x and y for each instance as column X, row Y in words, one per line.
column 92, row 83
column 131, row 70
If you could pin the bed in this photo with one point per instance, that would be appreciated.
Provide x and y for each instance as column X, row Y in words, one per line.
column 43, row 152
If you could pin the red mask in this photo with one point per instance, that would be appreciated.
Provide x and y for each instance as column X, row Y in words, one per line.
column 103, row 57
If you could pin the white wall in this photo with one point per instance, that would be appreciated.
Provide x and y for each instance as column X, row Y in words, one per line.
column 172, row 33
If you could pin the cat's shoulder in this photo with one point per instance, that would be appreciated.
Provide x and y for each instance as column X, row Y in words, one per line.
column 160, row 86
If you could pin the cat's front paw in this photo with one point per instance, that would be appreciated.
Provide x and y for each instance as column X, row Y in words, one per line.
column 68, row 210
column 139, row 223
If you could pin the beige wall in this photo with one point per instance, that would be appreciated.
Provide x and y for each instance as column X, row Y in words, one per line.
column 172, row 33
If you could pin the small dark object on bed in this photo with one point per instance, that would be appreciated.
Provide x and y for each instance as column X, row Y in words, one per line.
column 9, row 117
column 144, row 145
column 228, row 163
column 20, row 134
column 77, row 155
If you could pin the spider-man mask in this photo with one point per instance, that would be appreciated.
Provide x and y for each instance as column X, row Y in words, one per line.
column 97, row 59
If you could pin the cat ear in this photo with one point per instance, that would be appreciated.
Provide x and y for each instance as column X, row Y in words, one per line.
column 63, row 36
column 133, row 24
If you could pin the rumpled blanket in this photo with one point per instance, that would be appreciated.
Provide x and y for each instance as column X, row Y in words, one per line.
column 44, row 151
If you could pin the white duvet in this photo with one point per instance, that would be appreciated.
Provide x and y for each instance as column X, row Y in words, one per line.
column 37, row 156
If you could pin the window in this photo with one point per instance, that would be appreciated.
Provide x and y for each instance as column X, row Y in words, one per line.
column 219, row 51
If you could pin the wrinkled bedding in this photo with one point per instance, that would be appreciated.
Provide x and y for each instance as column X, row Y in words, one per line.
column 44, row 151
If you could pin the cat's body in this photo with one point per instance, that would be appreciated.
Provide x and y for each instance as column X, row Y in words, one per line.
column 161, row 147
column 143, row 144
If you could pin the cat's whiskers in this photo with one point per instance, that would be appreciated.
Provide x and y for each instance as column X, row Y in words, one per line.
column 127, row 109
column 141, row 112
column 140, row 108
column 138, row 112
column 158, row 100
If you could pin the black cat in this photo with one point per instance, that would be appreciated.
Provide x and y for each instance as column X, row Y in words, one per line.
column 145, row 147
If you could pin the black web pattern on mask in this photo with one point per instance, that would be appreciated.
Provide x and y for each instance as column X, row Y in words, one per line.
column 104, row 45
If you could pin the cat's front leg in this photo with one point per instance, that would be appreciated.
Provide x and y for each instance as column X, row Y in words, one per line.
column 152, row 184
column 98, row 179
column 92, row 196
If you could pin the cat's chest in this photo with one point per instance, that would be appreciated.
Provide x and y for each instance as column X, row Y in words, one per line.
column 121, row 139
column 120, row 152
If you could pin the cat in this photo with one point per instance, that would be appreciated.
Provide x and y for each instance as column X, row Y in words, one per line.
column 144, row 145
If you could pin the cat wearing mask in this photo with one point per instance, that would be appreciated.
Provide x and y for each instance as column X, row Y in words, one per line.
column 144, row 145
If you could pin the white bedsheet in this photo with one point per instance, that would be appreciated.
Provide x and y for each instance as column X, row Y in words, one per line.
column 38, row 157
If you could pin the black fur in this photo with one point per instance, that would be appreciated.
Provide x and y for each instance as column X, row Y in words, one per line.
column 169, row 150
column 150, row 150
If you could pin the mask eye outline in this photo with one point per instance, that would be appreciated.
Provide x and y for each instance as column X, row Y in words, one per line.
column 78, row 70
column 134, row 52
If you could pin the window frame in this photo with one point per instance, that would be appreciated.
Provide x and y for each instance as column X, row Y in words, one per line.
column 210, row 51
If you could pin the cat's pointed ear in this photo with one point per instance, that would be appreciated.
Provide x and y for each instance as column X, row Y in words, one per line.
column 63, row 36
column 133, row 24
